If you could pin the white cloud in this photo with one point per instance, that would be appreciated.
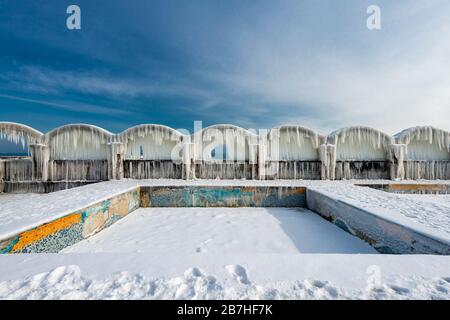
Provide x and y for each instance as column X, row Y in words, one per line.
column 397, row 78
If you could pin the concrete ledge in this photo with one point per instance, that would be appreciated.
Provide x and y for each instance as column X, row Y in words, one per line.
column 40, row 186
column 411, row 188
column 386, row 235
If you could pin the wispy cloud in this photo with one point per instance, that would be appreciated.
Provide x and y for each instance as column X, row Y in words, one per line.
column 39, row 79
column 75, row 107
column 397, row 78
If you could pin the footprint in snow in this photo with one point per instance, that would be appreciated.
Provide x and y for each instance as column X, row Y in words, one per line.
column 239, row 273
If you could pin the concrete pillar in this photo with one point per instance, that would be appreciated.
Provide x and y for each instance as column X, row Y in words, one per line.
column 253, row 159
column 261, row 160
column 187, row 160
column 115, row 160
column 40, row 157
column 327, row 153
column 397, row 159
column 2, row 170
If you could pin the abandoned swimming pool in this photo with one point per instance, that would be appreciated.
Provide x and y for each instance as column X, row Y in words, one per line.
column 387, row 233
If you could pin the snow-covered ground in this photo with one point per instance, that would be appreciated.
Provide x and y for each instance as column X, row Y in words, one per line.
column 221, row 276
column 232, row 231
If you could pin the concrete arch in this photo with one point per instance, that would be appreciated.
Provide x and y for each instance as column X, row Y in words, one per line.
column 152, row 142
column 360, row 143
column 78, row 142
column 425, row 143
column 239, row 144
column 144, row 129
column 19, row 133
column 295, row 142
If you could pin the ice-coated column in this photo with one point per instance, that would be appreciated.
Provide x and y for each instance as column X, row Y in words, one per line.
column 115, row 160
column 262, row 159
column 327, row 154
column 187, row 156
column 397, row 159
column 40, row 156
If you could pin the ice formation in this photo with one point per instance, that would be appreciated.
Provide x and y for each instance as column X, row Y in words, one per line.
column 425, row 143
column 78, row 142
column 19, row 133
column 238, row 142
column 84, row 152
column 327, row 153
column 152, row 142
column 78, row 170
column 398, row 152
column 16, row 169
column 293, row 143
column 360, row 143
column 135, row 169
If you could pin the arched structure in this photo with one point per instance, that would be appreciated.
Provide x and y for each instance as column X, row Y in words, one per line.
column 360, row 143
column 238, row 143
column 78, row 142
column 293, row 143
column 78, row 152
column 360, row 153
column 154, row 151
column 426, row 152
column 152, row 142
column 19, row 133
column 292, row 152
column 425, row 143
column 225, row 151
column 18, row 169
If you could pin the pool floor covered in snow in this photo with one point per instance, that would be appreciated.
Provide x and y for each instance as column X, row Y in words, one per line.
column 232, row 231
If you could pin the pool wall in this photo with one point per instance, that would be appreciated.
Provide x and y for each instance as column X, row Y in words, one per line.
column 384, row 234
column 197, row 196
column 73, row 227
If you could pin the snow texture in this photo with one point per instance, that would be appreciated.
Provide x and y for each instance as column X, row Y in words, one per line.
column 233, row 282
column 224, row 231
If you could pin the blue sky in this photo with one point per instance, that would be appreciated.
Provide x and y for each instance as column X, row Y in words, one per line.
column 256, row 64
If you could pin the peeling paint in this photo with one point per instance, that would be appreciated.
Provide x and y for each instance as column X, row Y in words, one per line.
column 81, row 224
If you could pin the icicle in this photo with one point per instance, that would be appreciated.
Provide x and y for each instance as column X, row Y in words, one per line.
column 397, row 159
column 78, row 142
column 426, row 143
column 152, row 142
column 360, row 143
column 236, row 141
column 2, row 170
column 19, row 134
column 328, row 161
column 17, row 170
column 294, row 143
